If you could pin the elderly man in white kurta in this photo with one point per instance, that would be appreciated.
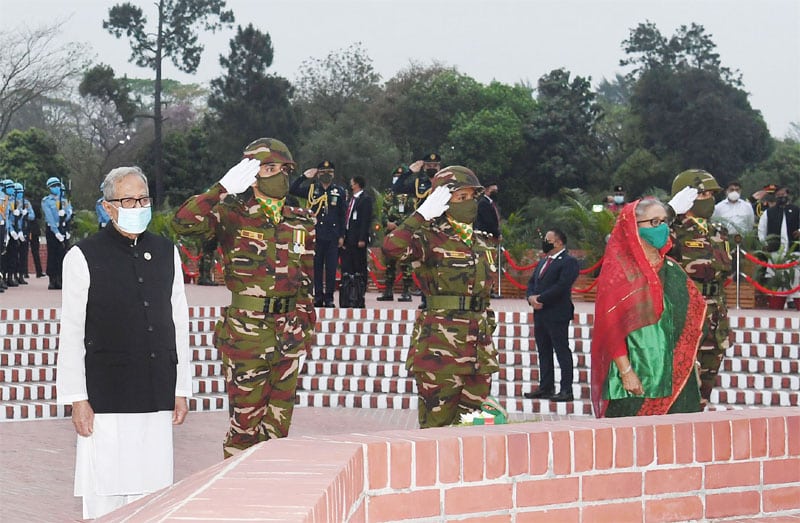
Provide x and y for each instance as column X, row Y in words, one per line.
column 123, row 361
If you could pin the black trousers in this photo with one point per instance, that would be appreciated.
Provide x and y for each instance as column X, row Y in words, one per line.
column 326, row 260
column 553, row 336
column 37, row 262
column 55, row 254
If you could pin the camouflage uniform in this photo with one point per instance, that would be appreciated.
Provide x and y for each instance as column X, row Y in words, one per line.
column 452, row 352
column 396, row 208
column 260, row 339
column 701, row 247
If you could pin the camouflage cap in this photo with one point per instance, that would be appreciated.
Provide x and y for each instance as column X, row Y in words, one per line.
column 326, row 165
column 697, row 178
column 457, row 177
column 269, row 150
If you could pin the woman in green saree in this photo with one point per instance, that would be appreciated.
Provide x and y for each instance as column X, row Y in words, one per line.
column 648, row 321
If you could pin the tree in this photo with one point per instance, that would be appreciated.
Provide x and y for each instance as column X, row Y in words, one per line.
column 326, row 85
column 32, row 66
column 99, row 82
column 175, row 37
column 706, row 122
column 689, row 48
column 247, row 103
column 782, row 168
column 31, row 157
column 562, row 148
column 420, row 105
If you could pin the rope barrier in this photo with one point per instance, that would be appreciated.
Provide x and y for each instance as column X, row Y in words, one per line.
column 772, row 292
column 514, row 282
column 378, row 264
column 518, row 267
column 593, row 267
column 770, row 265
column 189, row 255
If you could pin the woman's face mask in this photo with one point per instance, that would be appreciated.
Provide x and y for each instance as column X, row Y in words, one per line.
column 655, row 236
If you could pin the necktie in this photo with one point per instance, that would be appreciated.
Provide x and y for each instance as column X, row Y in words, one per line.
column 545, row 266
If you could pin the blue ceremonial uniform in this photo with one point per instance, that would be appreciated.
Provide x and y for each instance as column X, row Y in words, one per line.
column 329, row 206
column 57, row 213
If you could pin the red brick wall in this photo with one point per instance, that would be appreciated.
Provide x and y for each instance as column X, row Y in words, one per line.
column 665, row 468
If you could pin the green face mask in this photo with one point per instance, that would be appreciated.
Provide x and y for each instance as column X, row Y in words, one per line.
column 655, row 236
column 275, row 186
column 703, row 208
column 463, row 212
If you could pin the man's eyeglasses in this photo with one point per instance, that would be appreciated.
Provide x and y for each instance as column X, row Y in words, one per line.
column 655, row 222
column 130, row 203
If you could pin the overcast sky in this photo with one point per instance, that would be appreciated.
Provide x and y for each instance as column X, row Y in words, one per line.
column 505, row 40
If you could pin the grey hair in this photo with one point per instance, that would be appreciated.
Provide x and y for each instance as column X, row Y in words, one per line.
column 646, row 203
column 109, row 185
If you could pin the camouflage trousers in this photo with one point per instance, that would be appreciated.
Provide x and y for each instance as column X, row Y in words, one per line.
column 444, row 397
column 260, row 371
column 391, row 274
column 714, row 342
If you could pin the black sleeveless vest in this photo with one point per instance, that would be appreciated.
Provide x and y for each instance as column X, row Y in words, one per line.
column 131, row 359
column 775, row 220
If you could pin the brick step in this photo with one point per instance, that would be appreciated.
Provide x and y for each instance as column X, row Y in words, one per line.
column 761, row 350
column 20, row 358
column 749, row 397
column 761, row 366
column 30, row 343
column 759, row 382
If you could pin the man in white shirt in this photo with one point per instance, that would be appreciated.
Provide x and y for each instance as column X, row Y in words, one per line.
column 123, row 362
column 733, row 212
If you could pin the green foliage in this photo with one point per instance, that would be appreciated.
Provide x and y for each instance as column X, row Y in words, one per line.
column 778, row 279
column 704, row 121
column 31, row 157
column 689, row 48
column 782, row 168
column 642, row 169
column 84, row 224
column 486, row 141
column 179, row 21
column 247, row 103
column 99, row 82
column 586, row 229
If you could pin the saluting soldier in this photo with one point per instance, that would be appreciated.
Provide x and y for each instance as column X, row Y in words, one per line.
column 396, row 208
column 267, row 250
column 57, row 214
column 452, row 353
column 416, row 182
column 328, row 202
column 701, row 247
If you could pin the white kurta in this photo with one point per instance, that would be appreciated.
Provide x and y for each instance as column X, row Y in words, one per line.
column 127, row 454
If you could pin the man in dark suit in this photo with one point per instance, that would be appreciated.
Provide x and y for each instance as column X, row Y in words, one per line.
column 488, row 219
column 358, row 221
column 550, row 294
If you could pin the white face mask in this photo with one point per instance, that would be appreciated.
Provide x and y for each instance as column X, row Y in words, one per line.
column 733, row 196
column 133, row 221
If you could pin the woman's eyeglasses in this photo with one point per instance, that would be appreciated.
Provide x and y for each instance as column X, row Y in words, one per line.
column 655, row 222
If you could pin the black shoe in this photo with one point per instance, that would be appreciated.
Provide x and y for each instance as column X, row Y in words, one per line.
column 539, row 394
column 386, row 296
column 404, row 297
column 21, row 280
column 564, row 395
column 495, row 296
column 41, row 275
column 317, row 303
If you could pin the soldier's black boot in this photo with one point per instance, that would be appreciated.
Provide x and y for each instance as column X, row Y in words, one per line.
column 58, row 282
column 405, row 296
column 11, row 281
column 21, row 279
column 387, row 295
column 52, row 284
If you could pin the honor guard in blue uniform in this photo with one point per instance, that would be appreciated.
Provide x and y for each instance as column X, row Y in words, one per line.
column 20, row 216
column 329, row 203
column 57, row 214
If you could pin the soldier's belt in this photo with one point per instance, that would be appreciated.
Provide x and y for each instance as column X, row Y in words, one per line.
column 458, row 303
column 709, row 288
column 268, row 305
